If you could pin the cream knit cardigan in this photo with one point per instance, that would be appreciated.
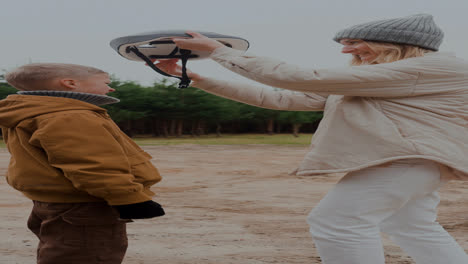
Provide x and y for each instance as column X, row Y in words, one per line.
column 373, row 114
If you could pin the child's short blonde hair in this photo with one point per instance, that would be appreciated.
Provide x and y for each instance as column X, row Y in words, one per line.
column 40, row 76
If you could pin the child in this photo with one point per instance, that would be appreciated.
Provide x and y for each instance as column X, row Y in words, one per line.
column 85, row 176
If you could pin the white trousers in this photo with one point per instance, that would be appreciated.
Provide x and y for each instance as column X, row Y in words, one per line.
column 400, row 200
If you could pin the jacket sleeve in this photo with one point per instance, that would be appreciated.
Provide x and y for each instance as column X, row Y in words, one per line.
column 88, row 154
column 264, row 97
column 394, row 79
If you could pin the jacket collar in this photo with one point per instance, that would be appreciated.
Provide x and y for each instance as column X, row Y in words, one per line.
column 95, row 99
column 441, row 53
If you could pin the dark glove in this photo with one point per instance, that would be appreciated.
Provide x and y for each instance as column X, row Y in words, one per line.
column 148, row 209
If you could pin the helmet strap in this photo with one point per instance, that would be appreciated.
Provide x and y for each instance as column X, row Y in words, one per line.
column 184, row 56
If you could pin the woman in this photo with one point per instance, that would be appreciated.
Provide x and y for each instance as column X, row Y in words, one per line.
column 396, row 121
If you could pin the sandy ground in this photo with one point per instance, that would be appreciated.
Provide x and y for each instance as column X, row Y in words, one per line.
column 224, row 204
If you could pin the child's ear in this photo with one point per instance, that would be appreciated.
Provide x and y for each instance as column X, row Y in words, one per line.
column 68, row 83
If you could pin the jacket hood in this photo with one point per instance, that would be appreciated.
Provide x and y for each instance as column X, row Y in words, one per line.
column 16, row 108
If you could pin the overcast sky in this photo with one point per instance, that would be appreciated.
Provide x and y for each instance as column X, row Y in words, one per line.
column 296, row 31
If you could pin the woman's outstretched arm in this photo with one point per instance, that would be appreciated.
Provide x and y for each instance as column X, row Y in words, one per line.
column 397, row 79
column 265, row 97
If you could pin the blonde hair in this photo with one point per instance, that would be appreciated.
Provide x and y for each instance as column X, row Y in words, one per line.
column 390, row 52
column 40, row 76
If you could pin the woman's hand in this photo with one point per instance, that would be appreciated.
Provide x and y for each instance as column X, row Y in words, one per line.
column 171, row 67
column 197, row 43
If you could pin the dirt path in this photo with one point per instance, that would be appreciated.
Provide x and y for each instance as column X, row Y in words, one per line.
column 224, row 204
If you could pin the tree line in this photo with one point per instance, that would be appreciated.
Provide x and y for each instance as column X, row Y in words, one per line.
column 162, row 110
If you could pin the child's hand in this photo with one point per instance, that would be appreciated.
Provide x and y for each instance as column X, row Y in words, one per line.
column 148, row 209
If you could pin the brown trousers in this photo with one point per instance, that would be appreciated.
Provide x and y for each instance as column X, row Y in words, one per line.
column 78, row 233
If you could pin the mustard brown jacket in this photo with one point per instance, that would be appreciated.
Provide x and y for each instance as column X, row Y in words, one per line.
column 373, row 114
column 65, row 150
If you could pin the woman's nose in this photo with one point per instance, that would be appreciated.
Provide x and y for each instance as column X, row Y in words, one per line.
column 347, row 49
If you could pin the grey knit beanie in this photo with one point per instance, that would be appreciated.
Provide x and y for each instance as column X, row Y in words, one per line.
column 419, row 30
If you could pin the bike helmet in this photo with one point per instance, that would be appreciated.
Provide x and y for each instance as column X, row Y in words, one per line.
column 159, row 45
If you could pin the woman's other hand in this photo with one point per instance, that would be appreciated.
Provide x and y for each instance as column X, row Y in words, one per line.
column 171, row 67
column 198, row 42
